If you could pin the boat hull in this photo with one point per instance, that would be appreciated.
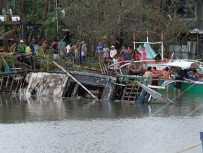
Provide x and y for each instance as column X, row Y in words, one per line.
column 187, row 87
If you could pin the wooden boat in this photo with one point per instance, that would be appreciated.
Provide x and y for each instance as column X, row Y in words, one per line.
column 192, row 87
column 187, row 87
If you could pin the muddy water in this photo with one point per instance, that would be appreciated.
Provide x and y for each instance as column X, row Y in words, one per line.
column 77, row 125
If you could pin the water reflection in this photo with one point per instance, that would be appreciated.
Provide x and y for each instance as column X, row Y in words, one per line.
column 20, row 109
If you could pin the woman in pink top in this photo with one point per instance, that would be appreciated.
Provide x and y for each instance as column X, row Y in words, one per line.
column 143, row 54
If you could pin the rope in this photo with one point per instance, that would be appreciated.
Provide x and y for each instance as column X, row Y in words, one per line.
column 190, row 148
column 173, row 99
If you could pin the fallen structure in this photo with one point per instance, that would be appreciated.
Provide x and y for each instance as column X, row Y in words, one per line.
column 69, row 84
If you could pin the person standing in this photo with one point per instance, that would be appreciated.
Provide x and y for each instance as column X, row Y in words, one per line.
column 113, row 52
column 143, row 53
column 55, row 49
column 21, row 47
column 62, row 46
column 13, row 48
column 179, row 77
column 99, row 50
column 136, row 55
column 177, row 84
column 44, row 45
column 28, row 49
column 148, row 79
column 32, row 46
column 195, row 75
column 166, row 76
column 155, row 79
column 68, row 48
column 83, row 52
column 106, row 53
column 6, row 66
column 36, row 46
column 76, row 51
column 128, row 55
column 123, row 51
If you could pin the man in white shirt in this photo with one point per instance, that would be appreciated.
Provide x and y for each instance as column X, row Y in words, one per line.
column 68, row 48
column 113, row 52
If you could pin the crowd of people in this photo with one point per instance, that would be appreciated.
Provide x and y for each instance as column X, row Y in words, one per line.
column 118, row 57
column 57, row 48
column 78, row 51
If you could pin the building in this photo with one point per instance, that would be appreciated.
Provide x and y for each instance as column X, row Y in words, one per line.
column 192, row 44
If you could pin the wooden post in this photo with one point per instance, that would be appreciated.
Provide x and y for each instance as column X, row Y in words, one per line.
column 60, row 67
column 162, row 46
column 201, row 138
column 75, row 90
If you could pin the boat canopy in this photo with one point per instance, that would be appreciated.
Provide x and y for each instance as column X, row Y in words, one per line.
column 184, row 64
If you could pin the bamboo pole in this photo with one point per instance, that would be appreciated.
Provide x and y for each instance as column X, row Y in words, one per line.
column 60, row 67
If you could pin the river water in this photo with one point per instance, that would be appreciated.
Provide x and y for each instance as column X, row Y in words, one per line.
column 45, row 125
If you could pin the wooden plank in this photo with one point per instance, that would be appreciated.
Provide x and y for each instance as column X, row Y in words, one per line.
column 75, row 90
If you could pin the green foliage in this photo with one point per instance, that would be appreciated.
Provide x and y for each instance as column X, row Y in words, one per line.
column 44, row 60
column 93, row 63
column 50, row 27
column 9, row 60
column 120, row 19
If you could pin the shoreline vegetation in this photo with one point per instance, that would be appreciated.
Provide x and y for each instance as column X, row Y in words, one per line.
column 43, row 62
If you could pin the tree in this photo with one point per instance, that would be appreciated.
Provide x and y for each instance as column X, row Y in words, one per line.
column 121, row 18
column 118, row 19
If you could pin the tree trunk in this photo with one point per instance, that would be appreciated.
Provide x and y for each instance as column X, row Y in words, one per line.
column 1, row 5
column 20, row 9
column 46, row 5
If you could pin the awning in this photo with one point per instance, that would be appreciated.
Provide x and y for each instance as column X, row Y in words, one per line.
column 183, row 64
column 196, row 31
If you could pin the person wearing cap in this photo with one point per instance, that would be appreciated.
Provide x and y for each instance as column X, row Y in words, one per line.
column 21, row 47
column 113, row 52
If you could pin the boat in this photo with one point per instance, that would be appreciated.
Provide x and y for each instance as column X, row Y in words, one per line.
column 158, row 92
column 188, row 86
